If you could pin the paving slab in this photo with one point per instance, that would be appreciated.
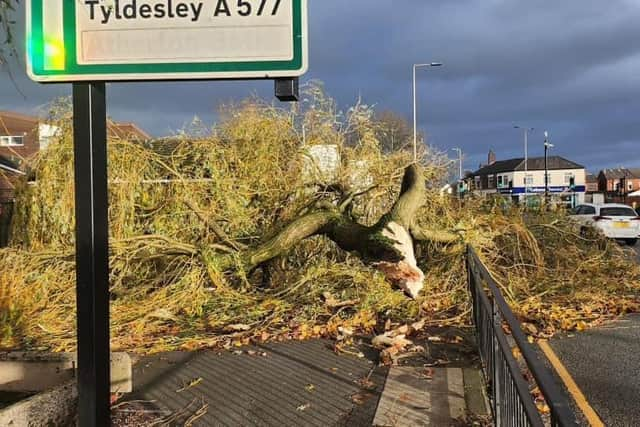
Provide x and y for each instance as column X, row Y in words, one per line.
column 418, row 396
column 282, row 384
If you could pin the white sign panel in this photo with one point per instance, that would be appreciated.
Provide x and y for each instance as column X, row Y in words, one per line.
column 71, row 40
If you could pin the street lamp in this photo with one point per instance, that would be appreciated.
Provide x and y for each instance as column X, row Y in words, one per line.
column 459, row 151
column 526, row 156
column 415, row 119
column 547, row 145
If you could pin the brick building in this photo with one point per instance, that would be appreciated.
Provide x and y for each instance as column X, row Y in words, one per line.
column 23, row 136
column 617, row 183
column 591, row 183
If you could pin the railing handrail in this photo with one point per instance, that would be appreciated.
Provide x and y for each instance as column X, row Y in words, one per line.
column 554, row 397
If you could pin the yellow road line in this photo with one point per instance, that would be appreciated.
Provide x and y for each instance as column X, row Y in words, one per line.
column 591, row 415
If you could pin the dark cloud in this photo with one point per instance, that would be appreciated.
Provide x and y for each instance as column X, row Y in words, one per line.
column 572, row 67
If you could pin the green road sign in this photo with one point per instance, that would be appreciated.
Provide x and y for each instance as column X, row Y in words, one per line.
column 92, row 40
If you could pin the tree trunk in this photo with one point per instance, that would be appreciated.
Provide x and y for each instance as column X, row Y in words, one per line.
column 387, row 245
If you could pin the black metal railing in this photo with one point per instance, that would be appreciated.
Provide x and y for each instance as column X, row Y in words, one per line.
column 511, row 400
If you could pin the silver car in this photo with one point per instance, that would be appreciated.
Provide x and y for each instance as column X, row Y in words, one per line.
column 614, row 220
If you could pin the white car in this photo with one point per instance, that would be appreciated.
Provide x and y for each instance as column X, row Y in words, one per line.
column 614, row 220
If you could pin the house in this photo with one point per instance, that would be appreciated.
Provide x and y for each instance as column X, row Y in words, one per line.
column 23, row 136
column 618, row 181
column 591, row 183
column 519, row 179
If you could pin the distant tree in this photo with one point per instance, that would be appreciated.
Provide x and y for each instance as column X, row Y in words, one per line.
column 393, row 131
column 7, row 48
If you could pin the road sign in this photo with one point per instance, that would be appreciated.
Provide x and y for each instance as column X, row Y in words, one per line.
column 108, row 40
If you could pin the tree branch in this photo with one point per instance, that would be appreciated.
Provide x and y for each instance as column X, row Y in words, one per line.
column 438, row 236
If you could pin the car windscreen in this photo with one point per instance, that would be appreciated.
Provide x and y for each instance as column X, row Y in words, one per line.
column 617, row 212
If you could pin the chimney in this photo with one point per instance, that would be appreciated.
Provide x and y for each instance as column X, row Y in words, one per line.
column 491, row 158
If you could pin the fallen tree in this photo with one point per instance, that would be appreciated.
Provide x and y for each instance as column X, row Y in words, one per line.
column 387, row 244
column 218, row 237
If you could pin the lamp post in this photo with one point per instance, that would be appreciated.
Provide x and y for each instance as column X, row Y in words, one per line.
column 547, row 145
column 526, row 155
column 415, row 117
column 459, row 151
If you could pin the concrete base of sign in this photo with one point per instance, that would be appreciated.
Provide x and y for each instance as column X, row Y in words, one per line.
column 34, row 372
column 55, row 407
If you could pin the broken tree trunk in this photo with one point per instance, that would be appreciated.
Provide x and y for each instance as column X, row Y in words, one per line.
column 387, row 245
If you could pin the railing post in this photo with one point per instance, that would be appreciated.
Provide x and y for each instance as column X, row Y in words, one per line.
column 496, row 365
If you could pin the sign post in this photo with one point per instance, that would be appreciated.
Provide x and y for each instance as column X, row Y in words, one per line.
column 92, row 252
column 90, row 42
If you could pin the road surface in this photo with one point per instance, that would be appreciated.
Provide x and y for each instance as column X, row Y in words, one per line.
column 604, row 364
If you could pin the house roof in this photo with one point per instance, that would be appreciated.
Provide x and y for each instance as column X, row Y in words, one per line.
column 11, row 121
column 635, row 172
column 591, row 178
column 499, row 166
column 127, row 131
column 9, row 166
column 533, row 163
column 618, row 173
column 18, row 116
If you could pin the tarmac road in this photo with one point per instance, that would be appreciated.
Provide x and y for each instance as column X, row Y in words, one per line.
column 636, row 248
column 605, row 364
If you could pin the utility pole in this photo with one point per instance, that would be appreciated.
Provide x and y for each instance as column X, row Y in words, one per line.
column 526, row 155
column 415, row 102
column 459, row 151
column 547, row 145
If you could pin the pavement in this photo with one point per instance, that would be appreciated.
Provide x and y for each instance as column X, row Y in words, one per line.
column 303, row 383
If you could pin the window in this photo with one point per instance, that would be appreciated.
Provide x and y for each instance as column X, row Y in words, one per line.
column 617, row 212
column 11, row 141
column 477, row 182
column 588, row 210
column 567, row 177
column 528, row 179
column 491, row 179
column 500, row 182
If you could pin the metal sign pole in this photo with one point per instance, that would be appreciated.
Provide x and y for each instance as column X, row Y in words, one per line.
column 92, row 253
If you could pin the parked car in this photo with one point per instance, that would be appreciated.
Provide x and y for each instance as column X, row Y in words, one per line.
column 614, row 220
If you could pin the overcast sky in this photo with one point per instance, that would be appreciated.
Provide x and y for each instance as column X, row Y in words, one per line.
column 571, row 67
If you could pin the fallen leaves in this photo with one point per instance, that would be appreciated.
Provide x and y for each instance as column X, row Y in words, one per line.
column 393, row 343
column 240, row 327
column 426, row 374
column 366, row 383
column 361, row 397
column 303, row 407
column 192, row 383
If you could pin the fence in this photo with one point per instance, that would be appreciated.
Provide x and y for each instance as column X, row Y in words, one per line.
column 511, row 400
